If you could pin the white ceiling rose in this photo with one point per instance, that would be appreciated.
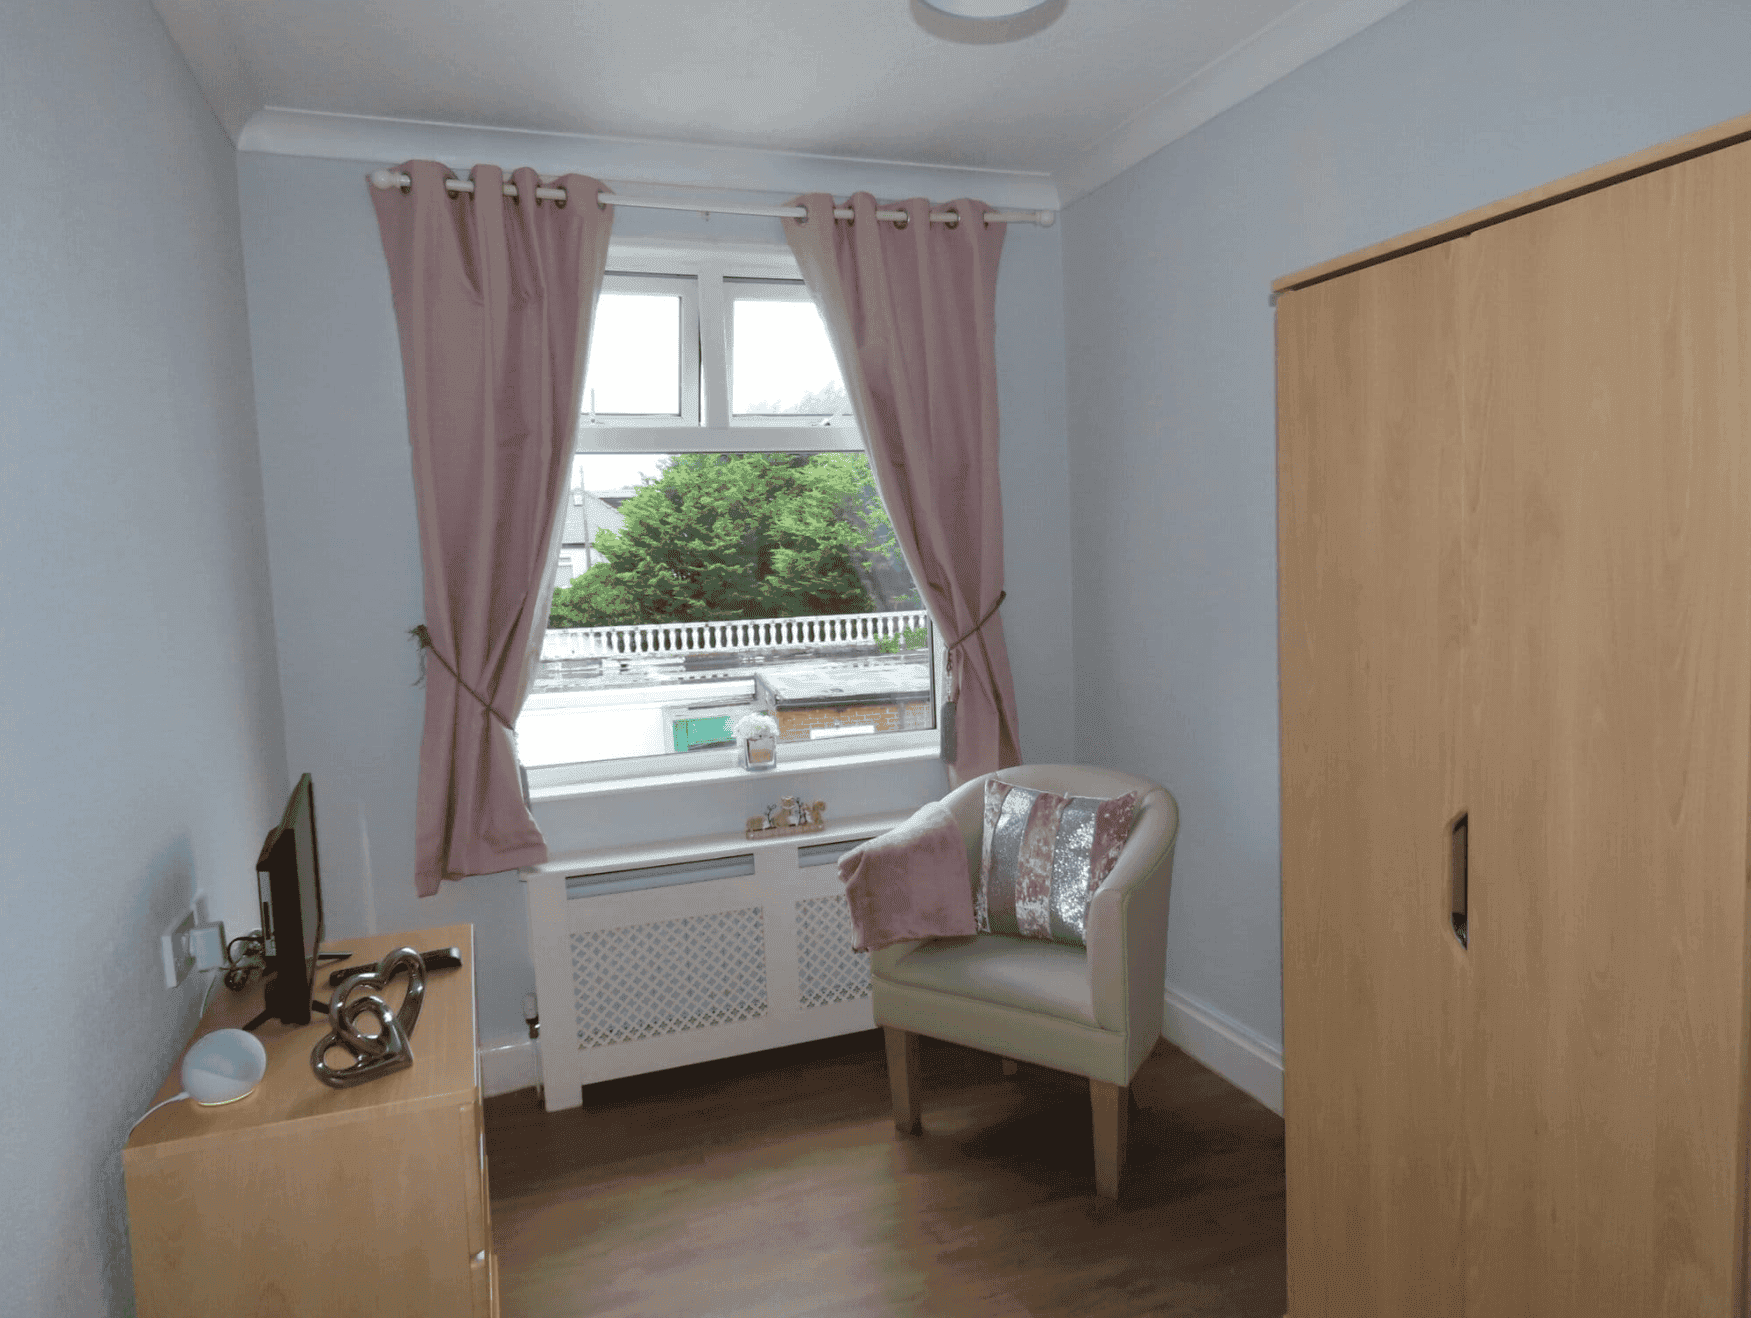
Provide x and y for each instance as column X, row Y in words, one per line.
column 985, row 22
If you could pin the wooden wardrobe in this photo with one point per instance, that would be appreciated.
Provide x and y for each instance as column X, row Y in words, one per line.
column 1514, row 474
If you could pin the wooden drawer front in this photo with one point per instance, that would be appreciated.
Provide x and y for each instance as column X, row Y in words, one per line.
column 266, row 1206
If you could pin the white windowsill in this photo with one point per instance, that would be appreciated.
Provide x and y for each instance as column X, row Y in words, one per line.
column 793, row 758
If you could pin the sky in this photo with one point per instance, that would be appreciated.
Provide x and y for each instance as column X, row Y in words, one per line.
column 615, row 471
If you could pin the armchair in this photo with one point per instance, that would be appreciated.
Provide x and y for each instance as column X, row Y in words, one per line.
column 1094, row 1012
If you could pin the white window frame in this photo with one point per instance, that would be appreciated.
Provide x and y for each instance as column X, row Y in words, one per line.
column 773, row 289
column 661, row 285
column 716, row 431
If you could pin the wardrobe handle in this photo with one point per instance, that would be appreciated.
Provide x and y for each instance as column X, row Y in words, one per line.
column 1459, row 877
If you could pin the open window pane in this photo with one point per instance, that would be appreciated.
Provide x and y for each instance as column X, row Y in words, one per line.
column 635, row 356
column 781, row 361
column 698, row 587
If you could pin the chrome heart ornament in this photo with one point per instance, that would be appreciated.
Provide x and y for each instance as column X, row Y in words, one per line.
column 389, row 1048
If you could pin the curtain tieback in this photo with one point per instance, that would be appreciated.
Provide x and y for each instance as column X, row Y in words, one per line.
column 424, row 637
column 946, row 722
column 989, row 613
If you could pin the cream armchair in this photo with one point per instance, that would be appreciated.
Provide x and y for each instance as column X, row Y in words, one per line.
column 1095, row 1013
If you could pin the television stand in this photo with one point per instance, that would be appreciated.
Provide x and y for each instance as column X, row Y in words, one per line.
column 231, row 1210
column 318, row 1010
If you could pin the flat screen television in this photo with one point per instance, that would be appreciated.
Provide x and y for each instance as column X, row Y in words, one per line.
column 290, row 883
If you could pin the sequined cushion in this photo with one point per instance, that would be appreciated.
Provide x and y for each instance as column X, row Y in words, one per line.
column 1043, row 856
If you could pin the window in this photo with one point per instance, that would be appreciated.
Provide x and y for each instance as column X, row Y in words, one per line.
column 782, row 368
column 724, row 548
column 645, row 327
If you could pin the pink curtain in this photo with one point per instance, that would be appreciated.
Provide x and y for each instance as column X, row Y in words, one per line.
column 911, row 308
column 494, row 296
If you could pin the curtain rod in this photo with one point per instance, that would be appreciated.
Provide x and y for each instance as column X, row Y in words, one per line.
column 389, row 178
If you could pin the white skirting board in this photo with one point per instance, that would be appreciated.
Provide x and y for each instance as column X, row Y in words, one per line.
column 507, row 1066
column 1226, row 1046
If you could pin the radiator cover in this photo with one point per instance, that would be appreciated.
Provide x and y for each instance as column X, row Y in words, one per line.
column 642, row 965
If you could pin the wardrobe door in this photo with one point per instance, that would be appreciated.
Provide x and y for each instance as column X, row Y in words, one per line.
column 1371, row 644
column 1607, row 346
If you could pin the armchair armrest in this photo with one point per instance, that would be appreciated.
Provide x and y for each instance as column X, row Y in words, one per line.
column 1127, row 923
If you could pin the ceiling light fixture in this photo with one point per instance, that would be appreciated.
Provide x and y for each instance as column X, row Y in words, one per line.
column 985, row 22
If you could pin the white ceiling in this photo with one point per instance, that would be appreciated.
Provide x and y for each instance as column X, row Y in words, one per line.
column 1107, row 84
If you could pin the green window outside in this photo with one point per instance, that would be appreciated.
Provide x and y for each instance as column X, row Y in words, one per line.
column 693, row 733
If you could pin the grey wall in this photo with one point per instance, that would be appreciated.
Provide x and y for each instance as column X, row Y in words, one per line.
column 1167, row 270
column 130, row 496
column 346, row 570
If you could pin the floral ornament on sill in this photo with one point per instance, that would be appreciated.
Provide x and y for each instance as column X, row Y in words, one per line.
column 750, row 726
column 757, row 740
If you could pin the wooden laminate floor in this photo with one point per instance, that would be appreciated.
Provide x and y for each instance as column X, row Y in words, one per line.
column 775, row 1185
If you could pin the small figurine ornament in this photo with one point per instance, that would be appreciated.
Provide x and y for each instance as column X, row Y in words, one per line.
column 789, row 815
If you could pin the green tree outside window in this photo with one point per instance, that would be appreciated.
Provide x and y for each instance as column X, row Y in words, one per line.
column 724, row 536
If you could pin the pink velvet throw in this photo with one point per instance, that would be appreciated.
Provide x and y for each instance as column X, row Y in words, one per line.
column 911, row 882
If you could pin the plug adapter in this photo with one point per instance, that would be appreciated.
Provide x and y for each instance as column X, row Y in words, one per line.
column 206, row 944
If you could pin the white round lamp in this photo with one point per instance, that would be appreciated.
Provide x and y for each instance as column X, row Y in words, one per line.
column 223, row 1067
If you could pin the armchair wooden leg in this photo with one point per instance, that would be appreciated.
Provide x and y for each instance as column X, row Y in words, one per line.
column 1112, row 1110
column 905, row 1080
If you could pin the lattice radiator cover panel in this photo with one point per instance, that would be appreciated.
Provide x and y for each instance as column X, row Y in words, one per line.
column 639, row 981
column 634, row 978
column 828, row 971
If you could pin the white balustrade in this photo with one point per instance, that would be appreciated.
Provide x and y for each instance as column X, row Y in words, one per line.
column 679, row 639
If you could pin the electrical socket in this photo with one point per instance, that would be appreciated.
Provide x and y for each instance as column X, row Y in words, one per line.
column 179, row 961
